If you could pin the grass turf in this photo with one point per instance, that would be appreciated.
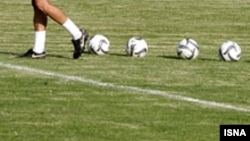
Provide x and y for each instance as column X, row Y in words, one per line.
column 36, row 106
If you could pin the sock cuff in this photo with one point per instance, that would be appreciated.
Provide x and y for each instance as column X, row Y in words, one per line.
column 72, row 29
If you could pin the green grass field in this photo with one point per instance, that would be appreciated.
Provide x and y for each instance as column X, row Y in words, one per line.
column 120, row 98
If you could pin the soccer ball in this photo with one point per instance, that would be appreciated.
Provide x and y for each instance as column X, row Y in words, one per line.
column 99, row 44
column 187, row 49
column 229, row 51
column 136, row 47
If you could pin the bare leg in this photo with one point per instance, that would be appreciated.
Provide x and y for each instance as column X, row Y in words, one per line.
column 50, row 10
column 44, row 9
column 57, row 15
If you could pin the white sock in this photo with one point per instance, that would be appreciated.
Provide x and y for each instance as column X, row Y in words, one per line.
column 40, row 38
column 72, row 29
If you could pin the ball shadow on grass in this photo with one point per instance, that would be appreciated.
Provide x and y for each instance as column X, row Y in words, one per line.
column 178, row 58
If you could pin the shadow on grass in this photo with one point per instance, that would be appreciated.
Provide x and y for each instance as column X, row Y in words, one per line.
column 208, row 59
column 178, row 58
column 20, row 55
column 170, row 57
column 9, row 53
column 118, row 54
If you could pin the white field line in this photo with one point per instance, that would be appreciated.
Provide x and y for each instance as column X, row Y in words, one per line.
column 124, row 87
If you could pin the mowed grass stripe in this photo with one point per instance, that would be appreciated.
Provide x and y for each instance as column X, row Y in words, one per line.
column 147, row 91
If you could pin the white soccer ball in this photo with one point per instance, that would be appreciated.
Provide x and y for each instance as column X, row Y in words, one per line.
column 136, row 47
column 229, row 51
column 187, row 49
column 99, row 44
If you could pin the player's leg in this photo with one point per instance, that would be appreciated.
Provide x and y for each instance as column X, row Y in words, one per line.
column 55, row 13
column 40, row 23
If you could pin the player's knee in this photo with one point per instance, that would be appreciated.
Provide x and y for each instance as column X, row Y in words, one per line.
column 40, row 5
